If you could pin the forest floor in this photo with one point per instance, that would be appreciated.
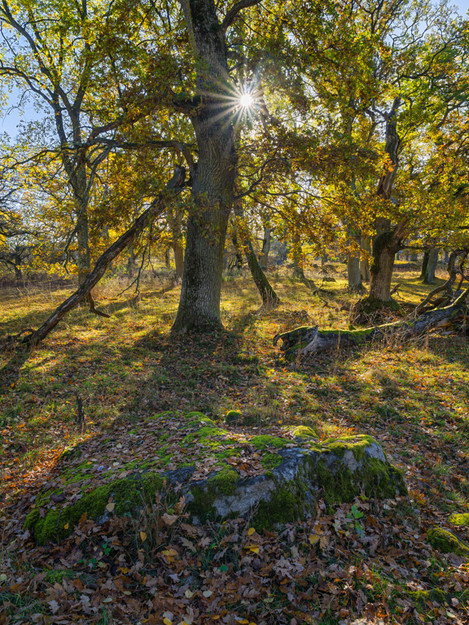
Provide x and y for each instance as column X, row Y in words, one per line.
column 366, row 562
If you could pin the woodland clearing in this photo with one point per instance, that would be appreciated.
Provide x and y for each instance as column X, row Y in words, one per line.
column 362, row 560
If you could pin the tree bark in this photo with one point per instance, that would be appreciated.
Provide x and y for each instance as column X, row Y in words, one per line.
column 364, row 263
column 388, row 241
column 214, row 176
column 270, row 299
column 264, row 260
column 385, row 247
column 354, row 277
column 303, row 342
column 423, row 272
column 298, row 271
column 353, row 274
column 429, row 269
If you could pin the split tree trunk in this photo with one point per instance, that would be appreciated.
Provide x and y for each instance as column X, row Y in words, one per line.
column 388, row 241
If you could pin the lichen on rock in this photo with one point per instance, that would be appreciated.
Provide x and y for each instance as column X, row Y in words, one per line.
column 292, row 471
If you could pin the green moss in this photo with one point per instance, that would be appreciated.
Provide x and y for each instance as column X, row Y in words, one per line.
column 302, row 431
column 264, row 440
column 421, row 597
column 69, row 454
column 223, row 483
column 270, row 461
column 204, row 433
column 355, row 444
column 233, row 416
column 460, row 519
column 168, row 414
column 198, row 418
column 374, row 478
column 71, row 475
column 283, row 507
column 53, row 577
column 446, row 542
column 128, row 494
column 227, row 453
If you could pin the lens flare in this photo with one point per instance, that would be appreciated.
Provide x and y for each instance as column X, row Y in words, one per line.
column 246, row 100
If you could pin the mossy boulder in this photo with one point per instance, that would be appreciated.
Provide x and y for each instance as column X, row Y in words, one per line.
column 291, row 471
column 336, row 470
column 446, row 542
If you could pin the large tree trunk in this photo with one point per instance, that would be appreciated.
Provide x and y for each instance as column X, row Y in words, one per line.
column 303, row 342
column 384, row 251
column 386, row 243
column 214, row 176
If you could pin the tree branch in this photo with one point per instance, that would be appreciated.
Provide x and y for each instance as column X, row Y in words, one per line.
column 235, row 9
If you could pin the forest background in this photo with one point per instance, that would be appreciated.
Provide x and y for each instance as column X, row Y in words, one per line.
column 205, row 177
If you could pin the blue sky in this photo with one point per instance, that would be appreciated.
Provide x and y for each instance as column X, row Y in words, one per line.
column 10, row 121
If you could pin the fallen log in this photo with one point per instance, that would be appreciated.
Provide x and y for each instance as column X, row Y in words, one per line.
column 305, row 341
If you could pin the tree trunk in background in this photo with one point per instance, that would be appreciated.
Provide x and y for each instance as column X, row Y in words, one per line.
column 353, row 274
column 429, row 268
column 270, row 299
column 214, row 177
column 179, row 258
column 423, row 272
column 365, row 244
column 353, row 264
column 238, row 251
column 264, row 260
column 298, row 271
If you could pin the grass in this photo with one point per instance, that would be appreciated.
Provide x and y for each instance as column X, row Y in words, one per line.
column 413, row 398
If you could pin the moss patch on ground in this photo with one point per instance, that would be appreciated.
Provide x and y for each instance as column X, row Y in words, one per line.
column 446, row 542
column 460, row 519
